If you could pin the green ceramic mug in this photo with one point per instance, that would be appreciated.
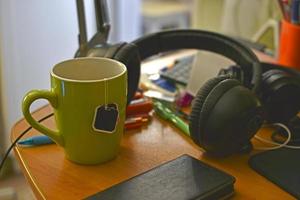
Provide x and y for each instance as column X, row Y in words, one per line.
column 88, row 96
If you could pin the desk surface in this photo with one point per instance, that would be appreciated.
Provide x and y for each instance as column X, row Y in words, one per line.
column 54, row 177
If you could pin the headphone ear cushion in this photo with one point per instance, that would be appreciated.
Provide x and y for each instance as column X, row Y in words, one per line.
column 225, row 116
column 194, row 118
column 129, row 55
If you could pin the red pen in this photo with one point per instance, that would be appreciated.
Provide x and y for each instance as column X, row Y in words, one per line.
column 135, row 122
column 139, row 106
column 142, row 115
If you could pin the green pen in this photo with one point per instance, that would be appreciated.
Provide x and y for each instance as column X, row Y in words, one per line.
column 165, row 113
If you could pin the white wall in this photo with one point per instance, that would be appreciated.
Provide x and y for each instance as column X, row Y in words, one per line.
column 125, row 18
column 36, row 34
column 1, row 111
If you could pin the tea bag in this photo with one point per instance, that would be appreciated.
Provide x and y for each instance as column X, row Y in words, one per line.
column 106, row 118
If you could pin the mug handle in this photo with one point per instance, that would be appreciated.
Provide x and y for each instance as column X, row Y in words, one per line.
column 29, row 98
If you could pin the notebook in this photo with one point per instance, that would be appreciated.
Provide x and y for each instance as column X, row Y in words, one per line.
column 182, row 178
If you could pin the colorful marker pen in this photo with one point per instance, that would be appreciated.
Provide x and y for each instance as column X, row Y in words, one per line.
column 36, row 140
column 165, row 113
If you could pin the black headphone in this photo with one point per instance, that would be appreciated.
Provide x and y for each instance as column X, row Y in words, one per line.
column 229, row 109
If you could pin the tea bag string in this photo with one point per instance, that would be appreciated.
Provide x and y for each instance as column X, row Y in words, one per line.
column 105, row 93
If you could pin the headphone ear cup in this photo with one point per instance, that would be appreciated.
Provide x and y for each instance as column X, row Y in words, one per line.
column 224, row 117
column 194, row 118
column 129, row 55
column 280, row 95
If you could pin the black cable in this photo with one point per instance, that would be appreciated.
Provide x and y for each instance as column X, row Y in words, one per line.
column 18, row 138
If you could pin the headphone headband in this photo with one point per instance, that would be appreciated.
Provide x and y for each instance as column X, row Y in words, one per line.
column 270, row 66
column 203, row 40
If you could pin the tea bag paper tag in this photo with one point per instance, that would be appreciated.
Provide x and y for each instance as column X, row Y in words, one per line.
column 106, row 118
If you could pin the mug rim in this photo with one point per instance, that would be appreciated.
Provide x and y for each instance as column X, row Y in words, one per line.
column 124, row 70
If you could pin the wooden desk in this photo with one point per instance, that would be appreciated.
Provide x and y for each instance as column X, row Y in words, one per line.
column 53, row 177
